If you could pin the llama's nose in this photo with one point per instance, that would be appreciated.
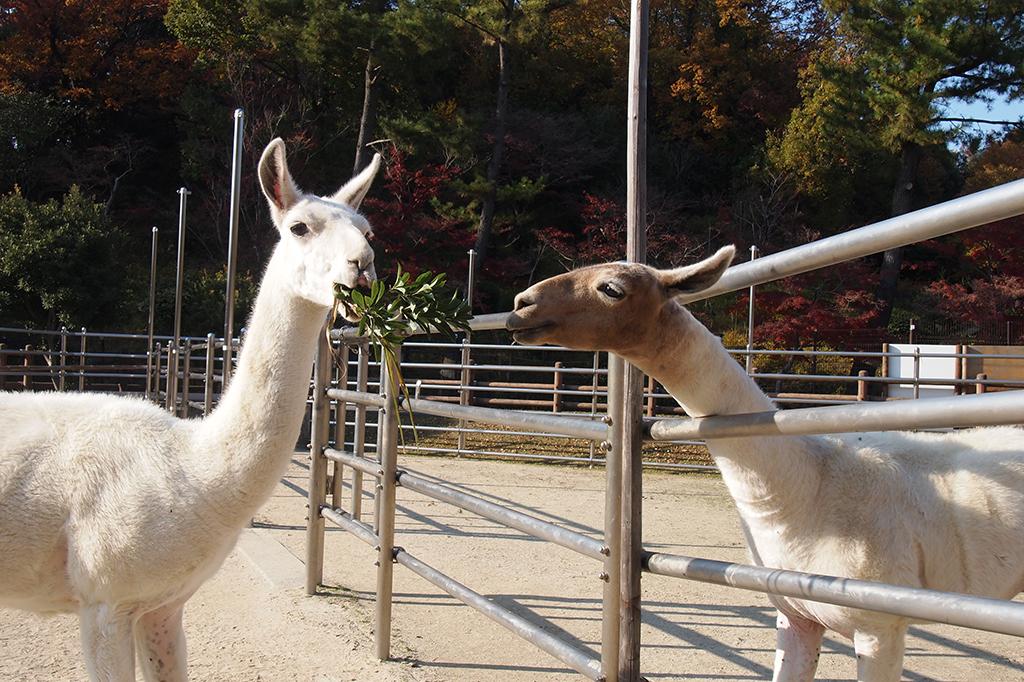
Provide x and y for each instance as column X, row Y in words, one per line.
column 364, row 279
column 523, row 300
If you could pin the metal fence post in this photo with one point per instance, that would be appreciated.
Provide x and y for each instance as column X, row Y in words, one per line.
column 610, row 608
column 3, row 365
column 359, row 432
column 26, row 362
column 152, row 315
column 211, row 348
column 317, row 466
column 233, row 230
column 62, row 376
column 172, row 377
column 464, row 379
column 81, row 361
column 157, row 363
column 556, row 385
column 386, row 507
column 750, row 319
column 340, row 409
column 917, row 372
column 186, row 372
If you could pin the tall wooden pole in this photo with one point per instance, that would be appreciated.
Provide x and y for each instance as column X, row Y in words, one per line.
column 632, row 385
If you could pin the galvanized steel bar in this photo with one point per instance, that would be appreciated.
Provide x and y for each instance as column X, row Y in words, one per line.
column 579, row 660
column 386, row 515
column 357, row 528
column 317, row 467
column 530, row 525
column 359, row 433
column 186, row 375
column 989, row 409
column 340, row 407
column 179, row 278
column 357, row 397
column 980, row 208
column 233, row 232
column 151, row 326
column 360, row 464
column 981, row 613
column 479, row 323
column 211, row 349
column 568, row 426
column 610, row 605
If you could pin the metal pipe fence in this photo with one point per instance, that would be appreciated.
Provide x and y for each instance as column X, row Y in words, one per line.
column 619, row 549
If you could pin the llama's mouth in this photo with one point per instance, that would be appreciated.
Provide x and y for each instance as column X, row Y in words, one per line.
column 528, row 335
column 347, row 311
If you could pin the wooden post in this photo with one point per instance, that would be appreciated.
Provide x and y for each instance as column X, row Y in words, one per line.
column 862, row 386
column 651, row 385
column 26, row 379
column 979, row 388
column 556, row 397
column 317, row 467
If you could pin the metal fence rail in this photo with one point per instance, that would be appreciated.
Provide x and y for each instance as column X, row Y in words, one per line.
column 620, row 550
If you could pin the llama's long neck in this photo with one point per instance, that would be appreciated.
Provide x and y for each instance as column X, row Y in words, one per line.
column 770, row 478
column 253, row 431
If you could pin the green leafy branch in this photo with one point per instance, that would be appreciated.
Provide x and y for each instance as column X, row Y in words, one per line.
column 387, row 314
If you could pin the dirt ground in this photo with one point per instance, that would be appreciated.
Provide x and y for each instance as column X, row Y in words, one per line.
column 243, row 625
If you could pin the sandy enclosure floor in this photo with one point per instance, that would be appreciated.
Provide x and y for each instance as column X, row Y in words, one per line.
column 242, row 627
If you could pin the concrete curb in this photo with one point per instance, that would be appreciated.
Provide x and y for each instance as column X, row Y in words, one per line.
column 281, row 569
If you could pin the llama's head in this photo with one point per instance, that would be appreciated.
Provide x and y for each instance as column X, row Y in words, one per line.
column 614, row 307
column 323, row 239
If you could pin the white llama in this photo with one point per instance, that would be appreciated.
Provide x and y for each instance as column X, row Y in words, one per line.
column 938, row 511
column 114, row 509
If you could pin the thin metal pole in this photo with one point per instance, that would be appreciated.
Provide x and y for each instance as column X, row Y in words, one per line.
column 157, row 358
column 386, row 525
column 750, row 319
column 632, row 385
column 211, row 351
column 359, row 432
column 610, row 611
column 179, row 280
column 152, row 314
column 233, row 230
column 917, row 371
column 317, row 466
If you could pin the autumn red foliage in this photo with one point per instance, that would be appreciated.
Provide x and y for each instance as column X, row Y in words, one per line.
column 411, row 225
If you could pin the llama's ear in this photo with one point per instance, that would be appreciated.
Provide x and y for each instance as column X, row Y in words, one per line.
column 278, row 186
column 354, row 190
column 699, row 276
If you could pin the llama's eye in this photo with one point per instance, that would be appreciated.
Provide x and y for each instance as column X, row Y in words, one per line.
column 611, row 290
column 299, row 229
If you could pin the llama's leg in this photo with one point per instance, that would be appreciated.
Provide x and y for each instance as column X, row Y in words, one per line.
column 798, row 644
column 880, row 653
column 160, row 643
column 107, row 643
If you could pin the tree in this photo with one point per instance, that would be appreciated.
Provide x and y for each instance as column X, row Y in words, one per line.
column 894, row 68
column 57, row 261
